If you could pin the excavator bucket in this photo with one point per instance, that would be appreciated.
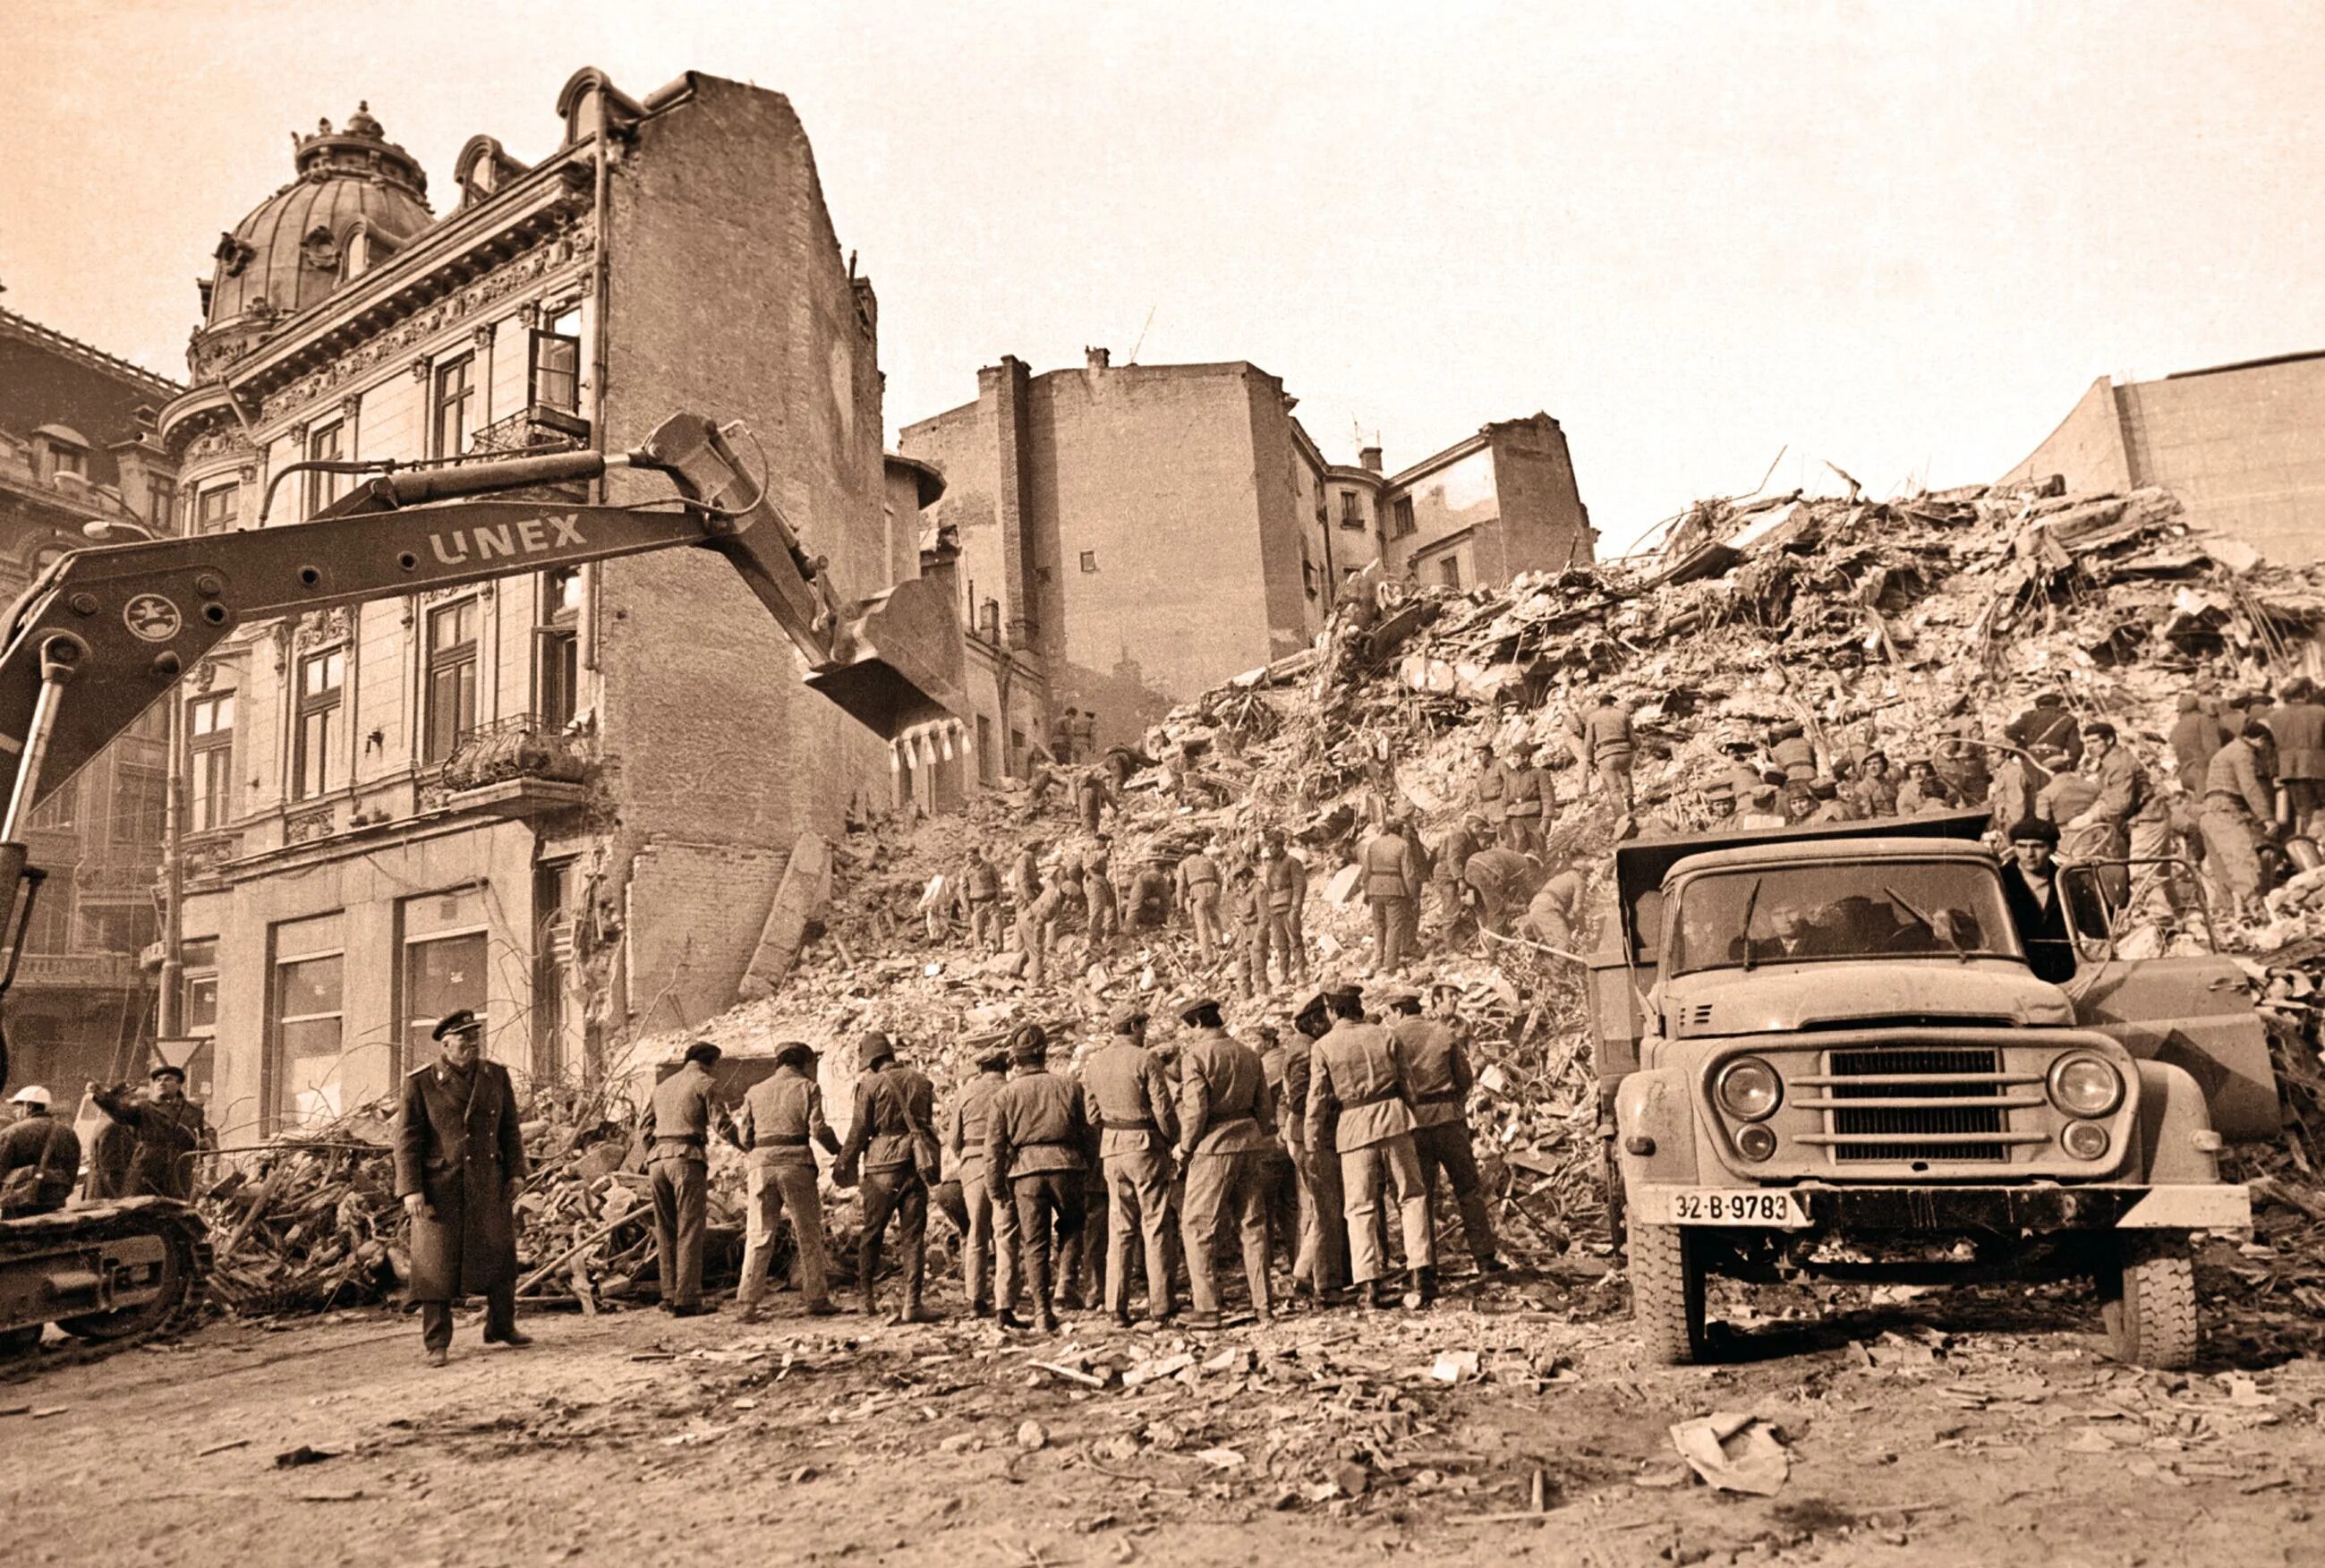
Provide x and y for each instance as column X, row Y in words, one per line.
column 906, row 668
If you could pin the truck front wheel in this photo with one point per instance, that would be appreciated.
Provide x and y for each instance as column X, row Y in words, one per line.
column 2151, row 1312
column 1666, row 1270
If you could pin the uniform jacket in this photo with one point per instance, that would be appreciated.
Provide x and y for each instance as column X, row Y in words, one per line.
column 1391, row 870
column 1606, row 736
column 1127, row 1095
column 1526, row 792
column 1038, row 1124
column 39, row 1161
column 1436, row 1070
column 970, row 1120
column 781, row 1114
column 2299, row 731
column 1289, row 1069
column 1489, row 791
column 1503, row 880
column 2124, row 795
column 677, row 1122
column 168, row 1134
column 1199, row 877
column 1453, row 852
column 456, row 1145
column 980, row 883
column 892, row 1124
column 1224, row 1105
column 1286, row 877
column 1149, row 897
column 2048, row 726
column 2194, row 739
column 2235, row 772
column 1357, row 1095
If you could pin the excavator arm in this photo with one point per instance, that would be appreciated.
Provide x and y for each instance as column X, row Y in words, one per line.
column 104, row 633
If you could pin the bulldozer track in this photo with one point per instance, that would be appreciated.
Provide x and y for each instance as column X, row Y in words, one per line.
column 182, row 1232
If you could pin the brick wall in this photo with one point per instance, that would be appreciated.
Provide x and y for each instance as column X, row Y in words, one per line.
column 1545, row 526
column 2244, row 449
column 694, row 917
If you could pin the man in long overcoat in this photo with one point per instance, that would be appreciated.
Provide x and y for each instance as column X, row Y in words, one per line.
column 459, row 1163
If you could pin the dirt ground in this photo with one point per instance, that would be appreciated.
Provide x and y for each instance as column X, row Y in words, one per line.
column 1942, row 1428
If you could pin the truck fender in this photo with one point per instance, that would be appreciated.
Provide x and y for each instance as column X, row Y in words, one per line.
column 1656, row 1105
column 2177, row 1145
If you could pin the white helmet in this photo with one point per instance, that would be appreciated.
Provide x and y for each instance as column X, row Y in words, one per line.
column 31, row 1094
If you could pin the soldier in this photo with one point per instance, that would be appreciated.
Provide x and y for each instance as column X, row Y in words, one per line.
column 1961, row 763
column 1923, row 791
column 1034, row 1136
column 460, row 1164
column 1393, row 878
column 2195, row 736
column 1150, row 895
column 1764, row 807
column 1226, row 1123
column 1486, row 787
column 1279, row 1177
column 1285, row 877
column 40, row 1157
column 1789, row 748
column 1097, row 892
column 992, row 1226
column 1607, row 748
column 1247, row 918
column 169, row 1129
column 1066, row 733
column 1357, row 1095
column 1126, row 1095
column 1089, row 798
column 781, row 1115
column 1876, row 795
column 1555, row 914
column 1198, row 885
column 892, row 1141
column 1461, row 842
column 980, row 890
column 2298, row 724
column 676, row 1132
column 2047, row 723
column 2237, row 804
column 1025, row 874
column 1321, row 1268
column 1527, row 796
column 1036, row 919
column 1500, row 882
column 1437, row 1071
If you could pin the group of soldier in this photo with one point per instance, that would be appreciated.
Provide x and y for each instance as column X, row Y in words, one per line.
column 146, row 1146
column 1321, row 1148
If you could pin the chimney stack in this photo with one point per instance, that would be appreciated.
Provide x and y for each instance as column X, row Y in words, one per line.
column 1098, row 359
column 1369, row 459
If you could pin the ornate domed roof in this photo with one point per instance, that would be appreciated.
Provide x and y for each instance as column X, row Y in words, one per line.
column 290, row 253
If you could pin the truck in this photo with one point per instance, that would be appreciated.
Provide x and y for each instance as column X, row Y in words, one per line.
column 1823, row 1053
column 104, row 633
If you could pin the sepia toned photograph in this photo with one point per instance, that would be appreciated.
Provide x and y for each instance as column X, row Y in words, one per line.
column 1053, row 786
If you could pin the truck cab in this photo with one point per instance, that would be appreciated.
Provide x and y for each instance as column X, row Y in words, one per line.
column 1824, row 1051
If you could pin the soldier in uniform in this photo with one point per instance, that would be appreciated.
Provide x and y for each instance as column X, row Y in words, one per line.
column 1357, row 1095
column 1034, row 1136
column 1036, row 921
column 1247, row 921
column 1392, row 871
column 1486, row 787
column 781, row 1115
column 1437, row 1071
column 1097, row 892
column 1089, row 798
column 1461, row 842
column 1528, row 797
column 892, row 1142
column 1285, row 876
column 980, row 891
column 1279, row 1177
column 1322, row 1266
column 168, row 1130
column 1128, row 1098
column 1198, row 885
column 1226, row 1123
column 676, row 1132
column 1606, row 749
column 992, row 1225
column 460, row 1164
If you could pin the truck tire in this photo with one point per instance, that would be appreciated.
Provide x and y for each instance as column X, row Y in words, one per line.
column 2151, row 1317
column 1666, row 1272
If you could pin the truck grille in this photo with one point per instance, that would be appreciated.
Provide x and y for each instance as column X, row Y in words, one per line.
column 1944, row 1103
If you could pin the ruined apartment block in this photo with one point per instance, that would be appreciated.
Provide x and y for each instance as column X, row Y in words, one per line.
column 564, row 799
column 1137, row 532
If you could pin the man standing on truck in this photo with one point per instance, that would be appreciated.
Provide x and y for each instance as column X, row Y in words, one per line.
column 2030, row 886
column 1359, row 1100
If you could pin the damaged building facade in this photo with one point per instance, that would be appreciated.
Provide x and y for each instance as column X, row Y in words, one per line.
column 1132, row 533
column 564, row 799
column 2237, row 443
column 78, row 457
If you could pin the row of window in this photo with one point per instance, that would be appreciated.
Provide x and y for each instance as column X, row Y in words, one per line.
column 449, row 693
column 553, row 380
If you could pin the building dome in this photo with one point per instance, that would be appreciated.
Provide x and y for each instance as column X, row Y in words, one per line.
column 355, row 189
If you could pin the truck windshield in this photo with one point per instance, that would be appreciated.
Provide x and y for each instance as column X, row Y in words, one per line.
column 1942, row 909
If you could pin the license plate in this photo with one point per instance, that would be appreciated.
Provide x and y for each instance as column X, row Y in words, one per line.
column 1737, row 1206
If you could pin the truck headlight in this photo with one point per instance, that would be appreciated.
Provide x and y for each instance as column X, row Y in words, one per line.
column 2085, row 1085
column 1748, row 1089
column 1756, row 1142
column 2086, row 1140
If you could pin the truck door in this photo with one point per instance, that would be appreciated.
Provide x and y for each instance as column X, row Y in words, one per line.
column 2192, row 1009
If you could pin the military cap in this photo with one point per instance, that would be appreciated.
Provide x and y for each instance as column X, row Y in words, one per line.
column 793, row 1053
column 167, row 1070
column 872, row 1048
column 1030, row 1042
column 1196, row 1004
column 1128, row 1016
column 460, row 1021
column 992, row 1059
column 1394, row 993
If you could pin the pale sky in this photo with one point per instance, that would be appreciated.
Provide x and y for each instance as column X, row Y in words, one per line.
column 1900, row 238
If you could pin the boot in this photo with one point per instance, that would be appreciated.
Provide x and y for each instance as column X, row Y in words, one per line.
column 865, row 1274
column 913, row 1312
column 1419, row 1289
column 1380, row 1295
